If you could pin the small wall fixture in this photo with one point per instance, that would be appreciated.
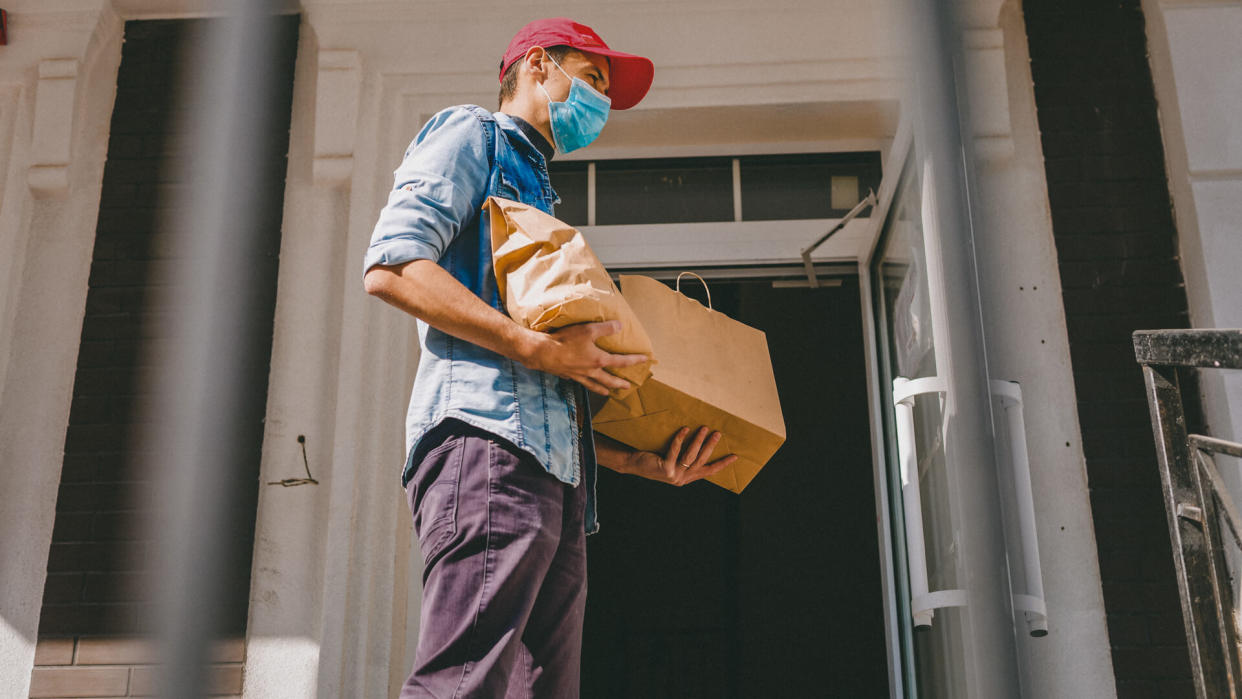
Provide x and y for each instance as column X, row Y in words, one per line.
column 309, row 480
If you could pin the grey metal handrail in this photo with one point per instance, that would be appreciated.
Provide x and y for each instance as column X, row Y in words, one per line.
column 1196, row 500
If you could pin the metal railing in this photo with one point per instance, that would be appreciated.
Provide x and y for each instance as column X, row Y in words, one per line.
column 1196, row 500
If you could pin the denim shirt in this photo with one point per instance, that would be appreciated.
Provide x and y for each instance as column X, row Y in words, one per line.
column 462, row 155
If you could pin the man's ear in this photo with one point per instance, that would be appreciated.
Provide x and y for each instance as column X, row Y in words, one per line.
column 535, row 60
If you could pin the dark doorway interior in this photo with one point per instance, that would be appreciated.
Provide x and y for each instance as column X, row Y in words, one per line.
column 698, row 592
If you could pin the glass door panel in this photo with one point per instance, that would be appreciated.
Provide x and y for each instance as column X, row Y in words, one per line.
column 947, row 610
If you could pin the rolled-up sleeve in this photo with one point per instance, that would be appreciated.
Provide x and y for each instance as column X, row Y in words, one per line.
column 440, row 184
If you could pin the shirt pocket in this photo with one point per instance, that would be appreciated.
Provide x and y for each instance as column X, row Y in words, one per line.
column 506, row 188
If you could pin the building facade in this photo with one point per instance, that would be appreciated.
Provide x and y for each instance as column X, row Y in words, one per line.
column 968, row 502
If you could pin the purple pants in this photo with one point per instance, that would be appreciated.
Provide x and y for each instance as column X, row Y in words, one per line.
column 504, row 574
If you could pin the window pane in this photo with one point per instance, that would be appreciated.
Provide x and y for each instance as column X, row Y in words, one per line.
column 807, row 185
column 663, row 190
column 844, row 192
column 569, row 179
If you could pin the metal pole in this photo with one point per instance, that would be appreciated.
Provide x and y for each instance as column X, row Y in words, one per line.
column 988, row 630
column 198, row 387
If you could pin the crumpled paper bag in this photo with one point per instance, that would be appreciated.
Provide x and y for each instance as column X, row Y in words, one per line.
column 549, row 278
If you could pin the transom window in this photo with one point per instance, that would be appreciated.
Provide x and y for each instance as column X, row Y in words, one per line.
column 713, row 188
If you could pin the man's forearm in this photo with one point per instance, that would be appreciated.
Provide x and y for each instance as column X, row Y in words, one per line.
column 612, row 454
column 428, row 292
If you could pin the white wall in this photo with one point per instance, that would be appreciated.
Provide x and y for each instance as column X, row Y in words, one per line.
column 57, row 84
column 1196, row 63
column 1196, row 59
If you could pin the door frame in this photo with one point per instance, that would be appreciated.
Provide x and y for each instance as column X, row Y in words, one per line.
column 628, row 254
column 899, row 630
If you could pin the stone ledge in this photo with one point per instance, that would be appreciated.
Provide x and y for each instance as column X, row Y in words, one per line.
column 48, row 682
column 54, row 651
column 138, row 651
column 221, row 680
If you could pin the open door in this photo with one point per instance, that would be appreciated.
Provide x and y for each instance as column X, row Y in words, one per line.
column 774, row 592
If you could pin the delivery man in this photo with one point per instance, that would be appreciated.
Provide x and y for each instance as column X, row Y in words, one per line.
column 500, row 472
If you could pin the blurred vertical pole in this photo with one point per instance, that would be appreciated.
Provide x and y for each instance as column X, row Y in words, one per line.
column 990, row 646
column 195, row 460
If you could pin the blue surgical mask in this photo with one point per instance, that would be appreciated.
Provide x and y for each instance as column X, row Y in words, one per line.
column 577, row 121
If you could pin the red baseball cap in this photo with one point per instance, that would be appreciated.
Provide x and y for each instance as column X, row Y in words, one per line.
column 629, row 75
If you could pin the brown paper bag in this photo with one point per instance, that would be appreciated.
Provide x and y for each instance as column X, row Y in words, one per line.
column 713, row 371
column 549, row 278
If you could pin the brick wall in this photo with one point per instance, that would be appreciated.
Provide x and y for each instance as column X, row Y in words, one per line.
column 97, row 593
column 121, row 667
column 1117, row 252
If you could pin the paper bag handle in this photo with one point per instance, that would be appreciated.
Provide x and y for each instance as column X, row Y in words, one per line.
column 705, row 288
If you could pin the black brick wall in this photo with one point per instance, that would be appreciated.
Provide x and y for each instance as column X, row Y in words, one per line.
column 99, row 560
column 1117, row 251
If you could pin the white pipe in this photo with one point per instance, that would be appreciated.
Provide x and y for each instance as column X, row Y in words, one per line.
column 911, row 498
column 1010, row 393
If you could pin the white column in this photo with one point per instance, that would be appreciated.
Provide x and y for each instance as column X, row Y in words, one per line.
column 285, row 628
column 1024, row 316
column 1197, row 70
column 1196, row 64
column 65, row 63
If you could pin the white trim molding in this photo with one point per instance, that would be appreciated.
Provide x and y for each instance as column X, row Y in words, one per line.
column 337, row 91
column 51, row 145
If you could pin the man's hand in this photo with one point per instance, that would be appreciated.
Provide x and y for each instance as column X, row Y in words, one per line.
column 425, row 290
column 683, row 462
column 571, row 353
